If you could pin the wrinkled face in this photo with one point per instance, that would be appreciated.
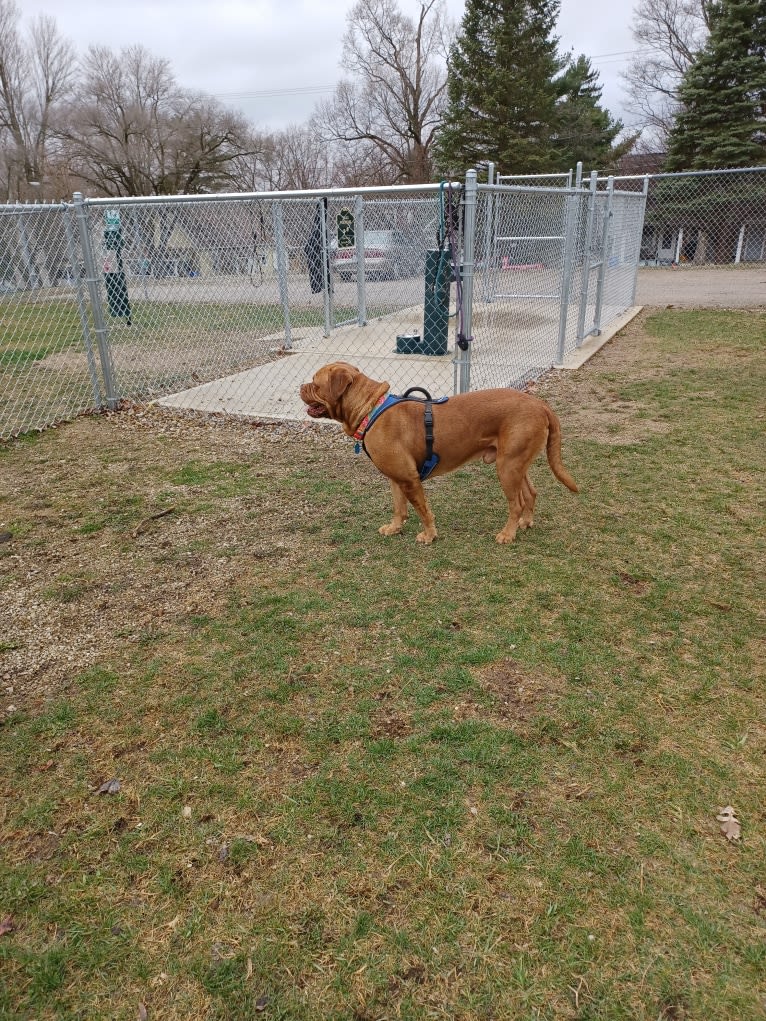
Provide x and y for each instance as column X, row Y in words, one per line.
column 324, row 393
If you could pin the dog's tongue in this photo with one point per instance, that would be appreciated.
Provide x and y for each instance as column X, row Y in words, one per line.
column 316, row 410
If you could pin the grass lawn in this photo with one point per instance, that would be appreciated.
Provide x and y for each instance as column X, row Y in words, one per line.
column 363, row 779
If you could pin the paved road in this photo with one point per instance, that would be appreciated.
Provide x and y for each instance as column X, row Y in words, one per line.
column 703, row 287
column 700, row 287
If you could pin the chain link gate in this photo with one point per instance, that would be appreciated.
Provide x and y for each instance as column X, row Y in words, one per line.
column 557, row 263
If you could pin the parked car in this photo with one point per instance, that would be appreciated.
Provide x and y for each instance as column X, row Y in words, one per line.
column 388, row 255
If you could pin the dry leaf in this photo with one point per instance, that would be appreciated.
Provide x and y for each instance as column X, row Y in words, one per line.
column 729, row 823
column 7, row 925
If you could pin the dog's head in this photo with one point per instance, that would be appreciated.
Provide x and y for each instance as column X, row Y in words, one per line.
column 324, row 394
column 342, row 392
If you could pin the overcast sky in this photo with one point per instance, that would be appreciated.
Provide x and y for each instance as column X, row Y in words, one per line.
column 274, row 59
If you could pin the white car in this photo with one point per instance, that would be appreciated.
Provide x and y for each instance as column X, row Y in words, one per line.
column 388, row 255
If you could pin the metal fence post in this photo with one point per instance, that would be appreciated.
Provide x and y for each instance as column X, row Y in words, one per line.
column 30, row 269
column 82, row 307
column 489, row 235
column 569, row 249
column 640, row 237
column 605, row 236
column 463, row 360
column 361, row 280
column 326, row 280
column 97, row 309
column 586, row 266
column 278, row 222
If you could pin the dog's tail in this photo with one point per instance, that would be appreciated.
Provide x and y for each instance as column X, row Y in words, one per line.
column 553, row 451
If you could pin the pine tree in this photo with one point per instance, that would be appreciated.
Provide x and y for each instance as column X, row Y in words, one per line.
column 584, row 130
column 502, row 88
column 722, row 121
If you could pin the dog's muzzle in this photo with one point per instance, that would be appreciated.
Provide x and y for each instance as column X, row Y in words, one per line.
column 313, row 407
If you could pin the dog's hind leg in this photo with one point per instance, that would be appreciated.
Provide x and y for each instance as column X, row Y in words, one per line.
column 400, row 510
column 528, row 496
column 512, row 470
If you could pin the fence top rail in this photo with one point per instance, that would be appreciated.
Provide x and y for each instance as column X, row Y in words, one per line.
column 524, row 188
column 271, row 196
column 532, row 177
column 31, row 207
column 689, row 173
column 494, row 189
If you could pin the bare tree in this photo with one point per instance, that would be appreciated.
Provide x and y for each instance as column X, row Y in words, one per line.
column 133, row 131
column 384, row 117
column 300, row 159
column 669, row 33
column 37, row 72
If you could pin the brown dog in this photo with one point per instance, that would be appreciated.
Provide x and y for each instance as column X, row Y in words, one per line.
column 504, row 427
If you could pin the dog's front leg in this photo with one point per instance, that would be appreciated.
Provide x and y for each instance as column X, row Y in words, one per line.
column 400, row 510
column 413, row 491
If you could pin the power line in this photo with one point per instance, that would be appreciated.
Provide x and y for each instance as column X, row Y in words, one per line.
column 298, row 90
column 315, row 90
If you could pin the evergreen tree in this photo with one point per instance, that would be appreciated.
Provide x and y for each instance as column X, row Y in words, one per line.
column 584, row 130
column 502, row 89
column 722, row 121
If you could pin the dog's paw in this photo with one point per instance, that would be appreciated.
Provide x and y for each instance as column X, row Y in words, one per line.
column 503, row 537
column 390, row 529
column 426, row 537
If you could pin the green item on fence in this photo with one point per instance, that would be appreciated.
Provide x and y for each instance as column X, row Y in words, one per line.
column 345, row 221
column 117, row 295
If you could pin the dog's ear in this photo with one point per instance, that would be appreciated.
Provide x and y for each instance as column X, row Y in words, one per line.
column 340, row 379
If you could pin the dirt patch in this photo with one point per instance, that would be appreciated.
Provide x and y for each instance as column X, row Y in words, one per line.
column 387, row 720
column 390, row 723
column 617, row 423
column 638, row 586
column 513, row 695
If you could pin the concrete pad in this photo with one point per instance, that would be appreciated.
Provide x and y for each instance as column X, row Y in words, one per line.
column 593, row 344
column 271, row 390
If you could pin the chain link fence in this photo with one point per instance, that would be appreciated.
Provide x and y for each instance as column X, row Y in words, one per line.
column 703, row 218
column 49, row 371
column 228, row 303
